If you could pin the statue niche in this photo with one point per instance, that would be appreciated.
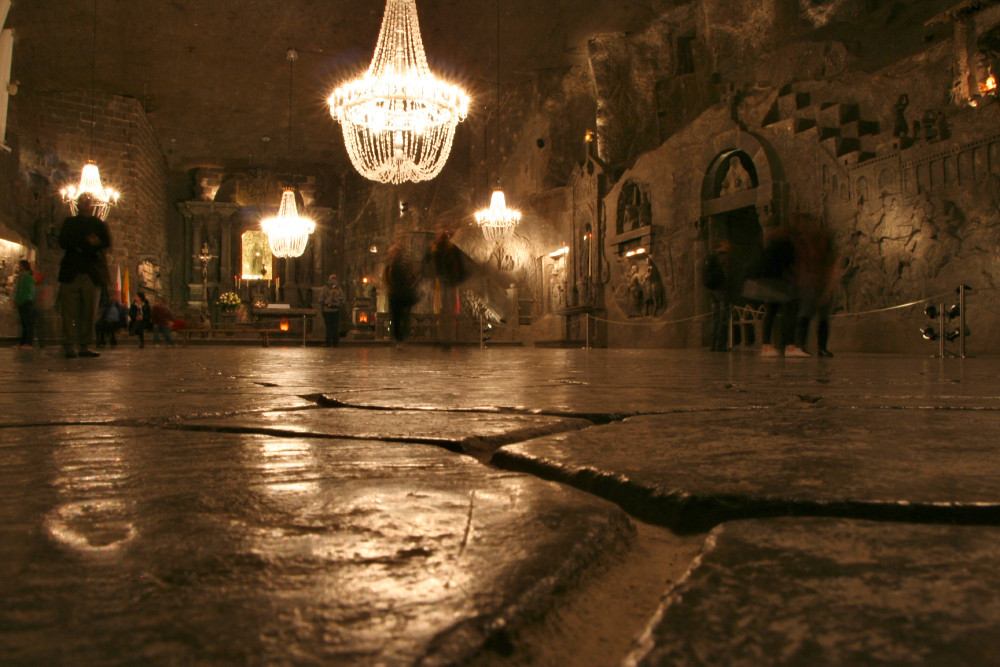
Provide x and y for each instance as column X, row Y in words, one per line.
column 634, row 210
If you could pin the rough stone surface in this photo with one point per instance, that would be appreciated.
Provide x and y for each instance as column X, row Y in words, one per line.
column 293, row 505
column 833, row 592
column 132, row 544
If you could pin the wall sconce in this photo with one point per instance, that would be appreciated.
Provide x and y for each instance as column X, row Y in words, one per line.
column 637, row 251
column 561, row 251
column 283, row 324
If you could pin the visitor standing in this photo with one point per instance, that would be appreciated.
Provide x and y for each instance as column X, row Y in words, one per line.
column 162, row 319
column 140, row 318
column 398, row 283
column 333, row 300
column 24, row 299
column 82, row 272
column 715, row 278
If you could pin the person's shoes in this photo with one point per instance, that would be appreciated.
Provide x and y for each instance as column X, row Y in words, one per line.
column 793, row 351
column 825, row 353
column 767, row 350
column 84, row 352
column 142, row 345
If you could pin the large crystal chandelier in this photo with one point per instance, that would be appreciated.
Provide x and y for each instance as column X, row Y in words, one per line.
column 288, row 233
column 497, row 221
column 101, row 197
column 90, row 177
column 398, row 120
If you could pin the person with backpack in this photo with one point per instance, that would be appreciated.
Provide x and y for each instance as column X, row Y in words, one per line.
column 333, row 299
column 24, row 299
column 113, row 318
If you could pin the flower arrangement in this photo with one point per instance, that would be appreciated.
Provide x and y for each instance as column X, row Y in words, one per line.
column 230, row 301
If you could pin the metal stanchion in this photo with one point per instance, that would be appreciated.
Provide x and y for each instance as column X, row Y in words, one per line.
column 941, row 336
column 586, row 322
column 303, row 331
column 961, row 321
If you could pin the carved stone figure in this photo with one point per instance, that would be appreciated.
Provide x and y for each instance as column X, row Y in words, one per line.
column 737, row 178
column 901, row 127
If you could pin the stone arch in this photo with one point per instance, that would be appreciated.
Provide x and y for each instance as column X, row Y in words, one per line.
column 723, row 153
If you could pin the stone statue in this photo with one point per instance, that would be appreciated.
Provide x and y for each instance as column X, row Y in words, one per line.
column 737, row 178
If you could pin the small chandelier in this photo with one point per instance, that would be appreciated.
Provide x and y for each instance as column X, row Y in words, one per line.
column 398, row 119
column 90, row 183
column 288, row 233
column 497, row 221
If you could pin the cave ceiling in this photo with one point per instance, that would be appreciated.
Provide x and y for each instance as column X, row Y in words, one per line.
column 215, row 81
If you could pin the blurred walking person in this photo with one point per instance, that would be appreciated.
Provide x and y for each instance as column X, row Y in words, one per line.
column 398, row 281
column 163, row 318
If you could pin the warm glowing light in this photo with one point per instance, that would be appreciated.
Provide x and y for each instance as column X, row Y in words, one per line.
column 989, row 85
column 362, row 318
column 284, row 325
column 562, row 251
column 589, row 136
column 637, row 251
column 497, row 221
column 90, row 183
column 287, row 234
column 365, row 279
column 398, row 119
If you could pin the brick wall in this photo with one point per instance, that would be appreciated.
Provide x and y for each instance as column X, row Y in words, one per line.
column 56, row 137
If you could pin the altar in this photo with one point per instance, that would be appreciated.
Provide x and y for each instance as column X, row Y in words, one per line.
column 300, row 320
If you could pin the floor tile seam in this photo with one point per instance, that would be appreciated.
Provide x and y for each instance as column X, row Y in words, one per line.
column 444, row 443
column 686, row 513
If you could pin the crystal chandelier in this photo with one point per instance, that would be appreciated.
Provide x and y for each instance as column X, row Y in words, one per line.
column 90, row 178
column 398, row 119
column 288, row 233
column 497, row 221
column 90, row 183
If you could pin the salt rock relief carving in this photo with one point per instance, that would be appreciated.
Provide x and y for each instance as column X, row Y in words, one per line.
column 913, row 244
column 639, row 289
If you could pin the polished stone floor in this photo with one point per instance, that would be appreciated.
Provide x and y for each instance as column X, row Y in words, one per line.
column 375, row 506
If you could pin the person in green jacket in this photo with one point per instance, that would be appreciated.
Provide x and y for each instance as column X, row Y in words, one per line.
column 24, row 298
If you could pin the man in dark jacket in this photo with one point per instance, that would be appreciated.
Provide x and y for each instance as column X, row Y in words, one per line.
column 82, row 272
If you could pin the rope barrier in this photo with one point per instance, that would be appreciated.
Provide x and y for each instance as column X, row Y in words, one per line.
column 902, row 305
column 702, row 316
column 656, row 323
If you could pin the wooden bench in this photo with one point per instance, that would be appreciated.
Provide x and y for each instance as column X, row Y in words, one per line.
column 207, row 333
